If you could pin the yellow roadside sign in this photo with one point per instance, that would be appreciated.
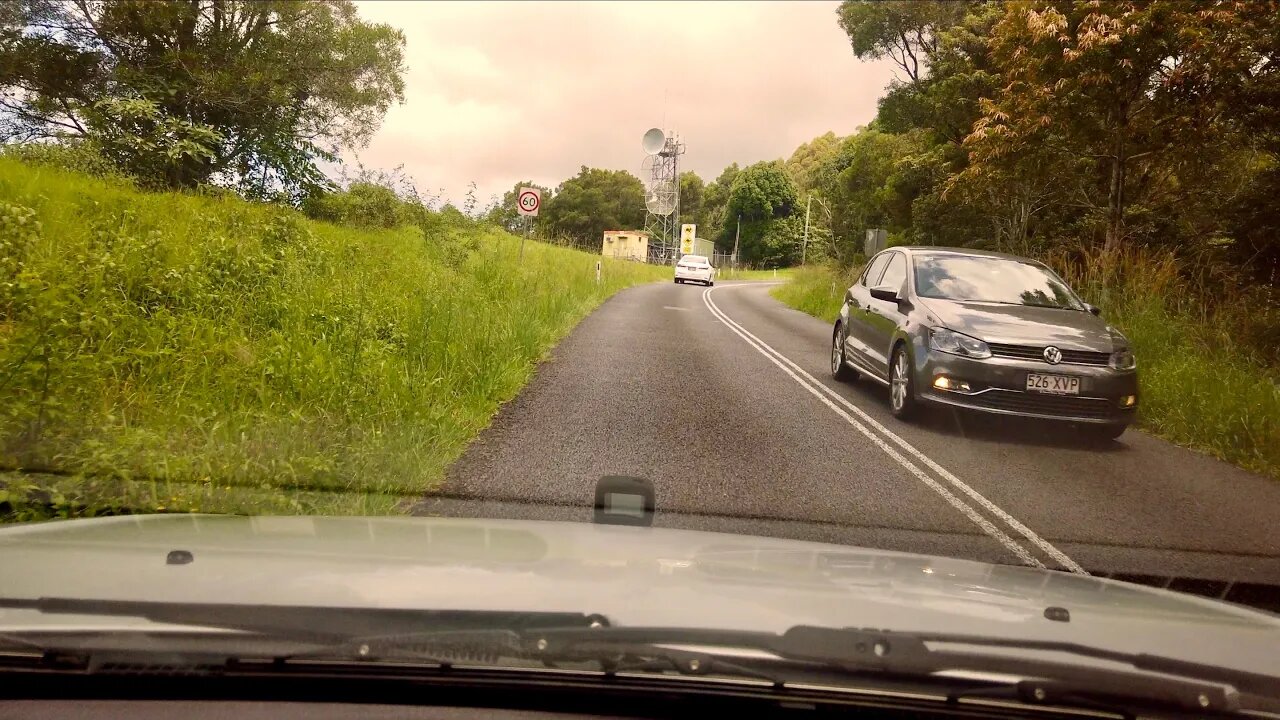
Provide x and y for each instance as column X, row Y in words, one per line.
column 687, row 234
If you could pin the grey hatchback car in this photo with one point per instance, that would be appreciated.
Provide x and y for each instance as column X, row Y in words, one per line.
column 984, row 331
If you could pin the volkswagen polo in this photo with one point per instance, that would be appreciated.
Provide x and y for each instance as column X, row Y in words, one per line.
column 984, row 331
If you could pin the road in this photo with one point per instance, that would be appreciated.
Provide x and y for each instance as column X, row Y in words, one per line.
column 724, row 400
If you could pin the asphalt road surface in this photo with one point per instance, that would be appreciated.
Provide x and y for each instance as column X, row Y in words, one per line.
column 725, row 401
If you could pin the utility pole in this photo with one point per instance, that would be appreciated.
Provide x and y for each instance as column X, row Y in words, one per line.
column 736, row 235
column 805, row 245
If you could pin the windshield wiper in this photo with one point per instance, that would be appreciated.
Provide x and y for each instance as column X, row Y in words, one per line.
column 1023, row 304
column 1149, row 679
column 1116, row 680
column 1123, row 682
column 1054, row 307
column 1096, row 676
column 301, row 622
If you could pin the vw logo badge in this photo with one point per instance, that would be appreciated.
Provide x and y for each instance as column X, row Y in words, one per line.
column 1052, row 355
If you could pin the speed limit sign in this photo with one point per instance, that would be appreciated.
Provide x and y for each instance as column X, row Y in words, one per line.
column 528, row 201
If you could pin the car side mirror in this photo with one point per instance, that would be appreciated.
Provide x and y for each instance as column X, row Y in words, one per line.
column 1093, row 309
column 885, row 292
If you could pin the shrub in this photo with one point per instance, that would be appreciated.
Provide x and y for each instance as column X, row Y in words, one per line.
column 74, row 156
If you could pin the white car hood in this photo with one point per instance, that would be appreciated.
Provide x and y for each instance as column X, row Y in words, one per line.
column 633, row 576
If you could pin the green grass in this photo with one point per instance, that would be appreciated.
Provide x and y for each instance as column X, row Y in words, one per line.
column 172, row 352
column 815, row 289
column 731, row 274
column 1201, row 386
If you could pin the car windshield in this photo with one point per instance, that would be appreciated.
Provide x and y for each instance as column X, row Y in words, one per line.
column 992, row 280
column 719, row 316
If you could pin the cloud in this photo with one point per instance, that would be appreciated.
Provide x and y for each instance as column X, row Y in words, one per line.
column 502, row 92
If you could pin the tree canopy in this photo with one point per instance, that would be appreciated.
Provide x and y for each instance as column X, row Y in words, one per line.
column 764, row 198
column 905, row 32
column 1038, row 124
column 594, row 201
column 250, row 94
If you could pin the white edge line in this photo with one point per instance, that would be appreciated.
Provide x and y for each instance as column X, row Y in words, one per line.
column 987, row 526
column 991, row 507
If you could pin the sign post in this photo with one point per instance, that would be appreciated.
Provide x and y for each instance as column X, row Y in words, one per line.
column 527, row 204
column 877, row 240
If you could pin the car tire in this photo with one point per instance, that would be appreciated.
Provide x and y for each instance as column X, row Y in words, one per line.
column 840, row 371
column 678, row 281
column 1103, row 433
column 902, row 388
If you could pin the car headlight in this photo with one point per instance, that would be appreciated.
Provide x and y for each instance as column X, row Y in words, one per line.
column 1123, row 359
column 946, row 341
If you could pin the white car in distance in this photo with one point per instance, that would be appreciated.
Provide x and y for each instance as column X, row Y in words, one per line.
column 695, row 268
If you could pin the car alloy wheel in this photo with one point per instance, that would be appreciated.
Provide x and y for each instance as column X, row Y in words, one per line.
column 839, row 370
column 901, row 394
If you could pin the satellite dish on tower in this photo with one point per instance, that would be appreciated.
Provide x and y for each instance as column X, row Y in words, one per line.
column 646, row 168
column 661, row 199
column 653, row 141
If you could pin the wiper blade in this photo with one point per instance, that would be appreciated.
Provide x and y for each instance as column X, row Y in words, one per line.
column 304, row 623
column 1021, row 304
column 446, row 635
column 1149, row 680
column 549, row 646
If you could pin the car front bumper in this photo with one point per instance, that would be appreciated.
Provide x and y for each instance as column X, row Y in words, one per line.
column 998, row 386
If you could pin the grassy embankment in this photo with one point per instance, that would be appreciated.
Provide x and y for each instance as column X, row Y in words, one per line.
column 728, row 273
column 163, row 352
column 1201, row 386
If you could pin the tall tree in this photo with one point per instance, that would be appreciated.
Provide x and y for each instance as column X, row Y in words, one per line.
column 1106, row 81
column 594, row 201
column 905, row 32
column 858, row 183
column 764, row 197
column 252, row 93
column 715, row 197
column 935, row 107
column 806, row 163
column 691, row 209
column 1237, row 47
column 960, row 71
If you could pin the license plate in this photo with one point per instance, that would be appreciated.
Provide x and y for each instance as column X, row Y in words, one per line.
column 1054, row 384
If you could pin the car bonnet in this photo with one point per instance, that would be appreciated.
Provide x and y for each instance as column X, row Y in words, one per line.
column 634, row 576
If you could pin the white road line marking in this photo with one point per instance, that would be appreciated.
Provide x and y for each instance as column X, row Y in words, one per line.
column 987, row 526
column 977, row 497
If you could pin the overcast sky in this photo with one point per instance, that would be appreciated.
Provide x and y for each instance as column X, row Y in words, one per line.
column 502, row 92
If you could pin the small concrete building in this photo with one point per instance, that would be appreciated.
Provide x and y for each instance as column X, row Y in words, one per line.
column 625, row 245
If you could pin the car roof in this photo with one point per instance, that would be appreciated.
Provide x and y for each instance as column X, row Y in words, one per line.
column 969, row 252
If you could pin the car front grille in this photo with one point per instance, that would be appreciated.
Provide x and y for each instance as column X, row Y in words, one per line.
column 1033, row 352
column 1057, row 405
